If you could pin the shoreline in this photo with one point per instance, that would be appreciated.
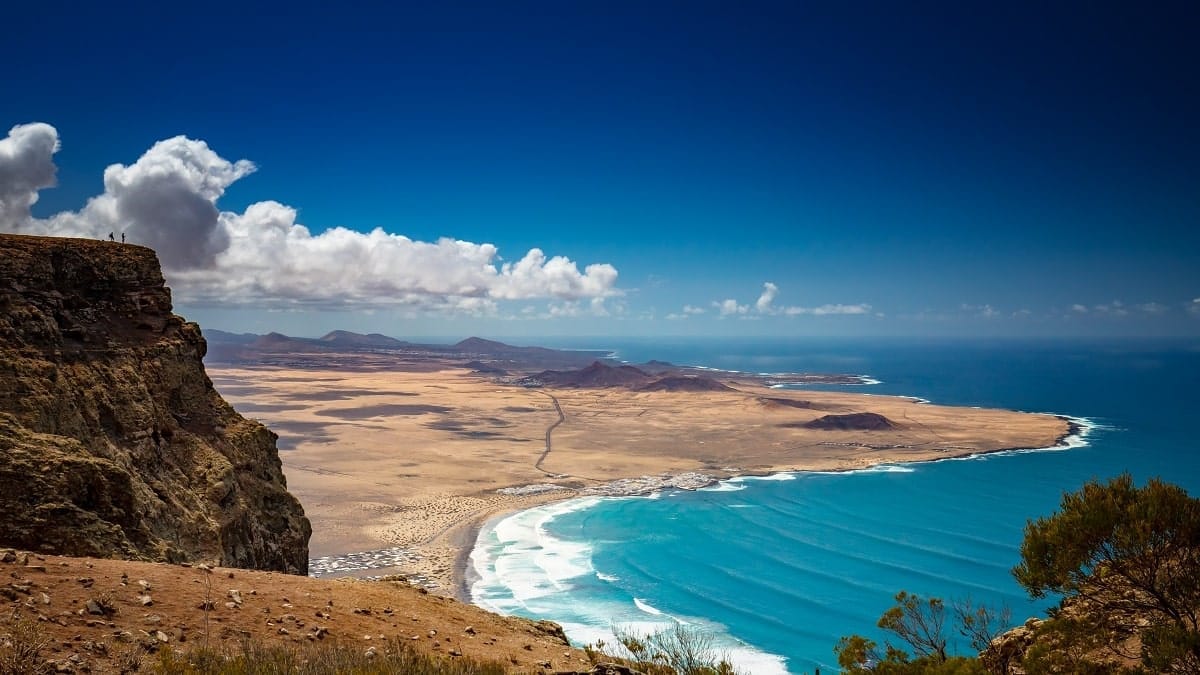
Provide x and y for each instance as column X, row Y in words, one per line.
column 464, row 575
column 438, row 454
column 443, row 563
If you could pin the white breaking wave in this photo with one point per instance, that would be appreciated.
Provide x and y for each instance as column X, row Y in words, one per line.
column 517, row 562
column 782, row 475
column 520, row 568
column 646, row 607
column 724, row 486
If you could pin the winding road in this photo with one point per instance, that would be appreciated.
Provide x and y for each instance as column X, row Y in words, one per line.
column 550, row 430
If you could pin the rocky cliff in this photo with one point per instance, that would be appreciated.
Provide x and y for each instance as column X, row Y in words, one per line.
column 113, row 442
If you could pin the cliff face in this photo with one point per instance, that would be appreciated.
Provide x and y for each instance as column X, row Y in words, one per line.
column 113, row 442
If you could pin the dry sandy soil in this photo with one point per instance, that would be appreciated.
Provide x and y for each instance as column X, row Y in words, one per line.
column 383, row 459
column 53, row 592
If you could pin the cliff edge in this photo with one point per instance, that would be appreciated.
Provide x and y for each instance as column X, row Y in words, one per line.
column 113, row 442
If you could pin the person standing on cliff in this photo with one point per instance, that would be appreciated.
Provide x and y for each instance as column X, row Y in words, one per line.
column 122, row 237
column 111, row 237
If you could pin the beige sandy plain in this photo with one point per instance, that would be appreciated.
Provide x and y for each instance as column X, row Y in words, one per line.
column 414, row 459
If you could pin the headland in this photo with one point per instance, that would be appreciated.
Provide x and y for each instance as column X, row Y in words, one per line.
column 403, row 451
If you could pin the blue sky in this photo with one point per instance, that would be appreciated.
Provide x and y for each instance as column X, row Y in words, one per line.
column 890, row 168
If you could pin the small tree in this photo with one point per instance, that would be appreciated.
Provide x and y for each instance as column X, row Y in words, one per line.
column 921, row 624
column 1132, row 555
column 980, row 624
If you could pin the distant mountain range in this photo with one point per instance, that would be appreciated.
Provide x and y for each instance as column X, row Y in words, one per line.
column 484, row 355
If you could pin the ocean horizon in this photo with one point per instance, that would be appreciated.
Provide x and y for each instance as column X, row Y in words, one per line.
column 777, row 568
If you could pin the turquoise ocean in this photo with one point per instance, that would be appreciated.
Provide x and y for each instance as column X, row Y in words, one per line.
column 778, row 568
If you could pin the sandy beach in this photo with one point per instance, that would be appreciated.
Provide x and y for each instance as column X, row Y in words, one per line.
column 408, row 465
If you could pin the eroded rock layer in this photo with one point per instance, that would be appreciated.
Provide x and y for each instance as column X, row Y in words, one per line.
column 113, row 441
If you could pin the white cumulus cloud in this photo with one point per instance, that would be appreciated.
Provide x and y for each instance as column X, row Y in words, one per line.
column 763, row 304
column 730, row 307
column 263, row 257
column 26, row 166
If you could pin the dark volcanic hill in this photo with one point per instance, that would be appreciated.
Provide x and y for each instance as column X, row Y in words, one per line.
column 863, row 421
column 113, row 442
column 347, row 339
column 685, row 383
column 596, row 375
column 278, row 342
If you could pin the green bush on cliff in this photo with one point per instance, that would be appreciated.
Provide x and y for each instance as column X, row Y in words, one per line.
column 1126, row 559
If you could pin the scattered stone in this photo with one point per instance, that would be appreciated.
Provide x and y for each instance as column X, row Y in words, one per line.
column 86, row 582
column 45, row 599
column 455, row 652
column 469, row 630
column 283, row 631
column 161, row 636
column 35, row 568
column 432, row 633
column 144, row 584
column 235, row 596
column 231, row 605
column 146, row 600
column 370, row 653
column 94, row 607
column 8, row 555
column 152, row 620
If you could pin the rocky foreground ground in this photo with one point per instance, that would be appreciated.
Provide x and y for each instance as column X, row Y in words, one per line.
column 99, row 615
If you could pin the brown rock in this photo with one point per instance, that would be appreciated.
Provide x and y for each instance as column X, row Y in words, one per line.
column 113, row 441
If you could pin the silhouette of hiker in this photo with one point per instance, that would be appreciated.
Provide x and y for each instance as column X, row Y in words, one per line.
column 122, row 237
column 111, row 237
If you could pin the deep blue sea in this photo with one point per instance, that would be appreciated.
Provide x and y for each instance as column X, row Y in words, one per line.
column 778, row 569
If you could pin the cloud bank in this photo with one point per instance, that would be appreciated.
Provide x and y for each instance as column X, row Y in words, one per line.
column 765, row 306
column 262, row 257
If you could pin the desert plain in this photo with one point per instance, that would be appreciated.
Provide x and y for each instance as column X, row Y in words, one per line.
column 408, row 463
